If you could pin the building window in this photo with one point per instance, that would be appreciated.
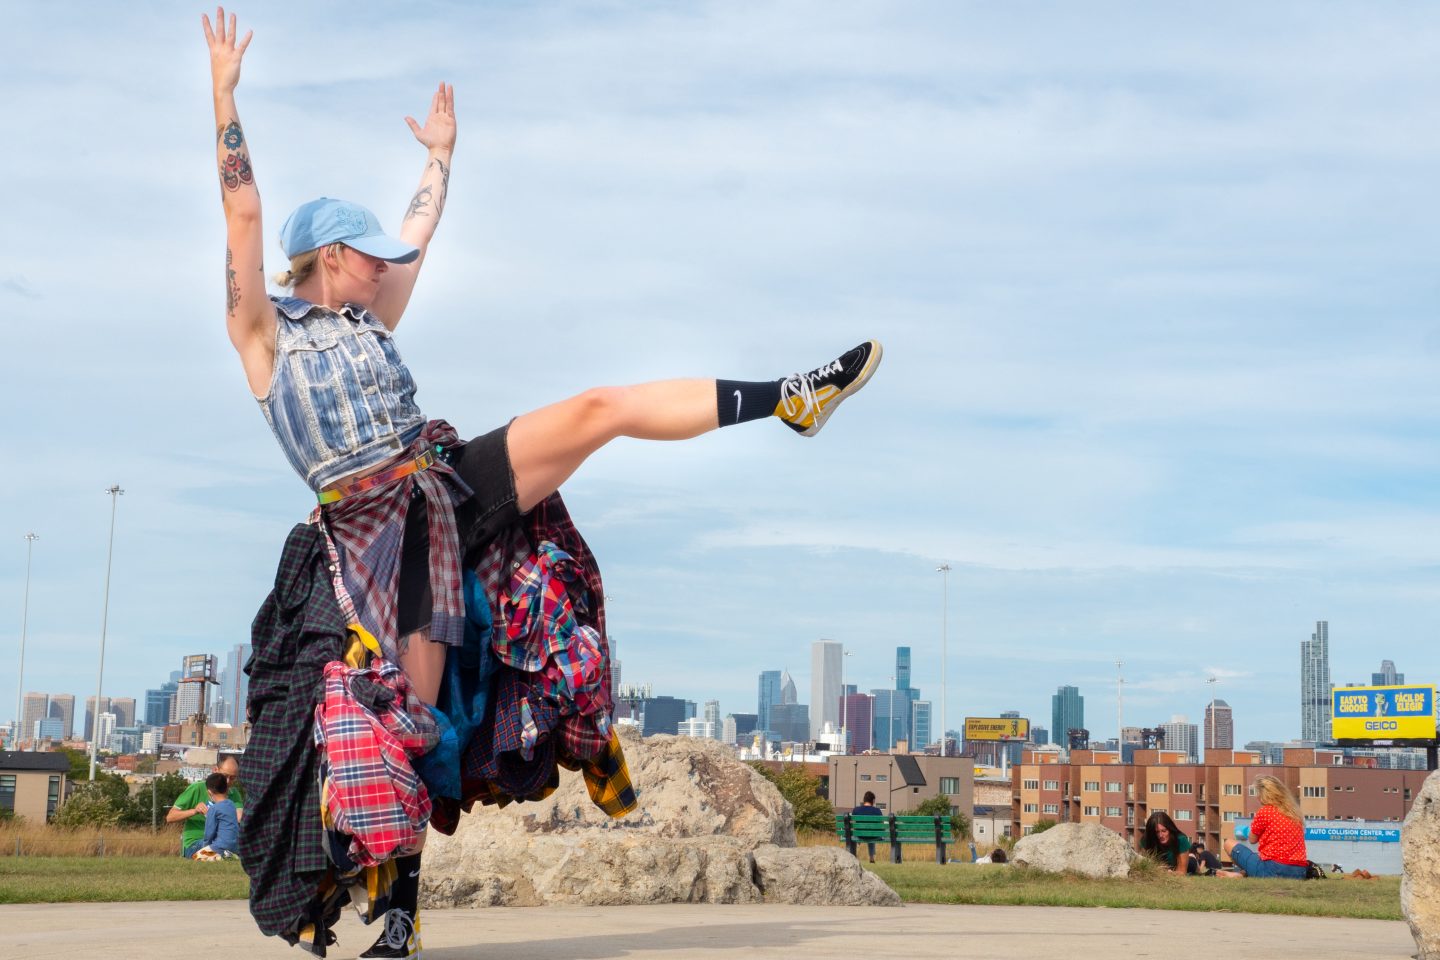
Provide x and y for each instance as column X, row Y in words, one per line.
column 1313, row 791
column 1112, row 786
column 7, row 791
column 1028, row 829
column 882, row 778
column 1251, row 791
column 1159, row 787
column 1052, row 784
column 1184, row 788
column 1112, row 811
column 1029, row 784
column 1092, row 784
column 950, row 785
column 52, row 802
column 1233, row 789
column 1229, row 815
column 1052, row 808
column 1005, row 830
column 1184, row 815
column 1031, row 808
column 1092, row 811
column 865, row 776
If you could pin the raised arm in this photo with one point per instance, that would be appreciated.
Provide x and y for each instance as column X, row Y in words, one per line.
column 437, row 136
column 249, row 317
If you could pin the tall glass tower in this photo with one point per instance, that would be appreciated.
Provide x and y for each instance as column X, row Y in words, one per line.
column 1067, row 712
column 1315, row 684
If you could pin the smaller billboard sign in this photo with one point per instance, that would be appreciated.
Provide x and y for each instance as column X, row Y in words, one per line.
column 997, row 728
column 1383, row 713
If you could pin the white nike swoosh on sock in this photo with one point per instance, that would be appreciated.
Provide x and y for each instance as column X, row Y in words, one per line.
column 415, row 873
column 737, row 405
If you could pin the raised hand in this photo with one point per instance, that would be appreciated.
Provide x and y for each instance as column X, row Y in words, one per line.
column 439, row 130
column 226, row 54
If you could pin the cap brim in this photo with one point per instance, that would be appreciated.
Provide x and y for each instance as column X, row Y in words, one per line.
column 385, row 248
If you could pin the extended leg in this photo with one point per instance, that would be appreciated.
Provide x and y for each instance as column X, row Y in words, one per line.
column 549, row 444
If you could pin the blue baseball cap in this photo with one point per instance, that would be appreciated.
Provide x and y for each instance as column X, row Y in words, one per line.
column 324, row 221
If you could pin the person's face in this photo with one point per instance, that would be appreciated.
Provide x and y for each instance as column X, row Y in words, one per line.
column 1162, row 832
column 354, row 276
column 230, row 768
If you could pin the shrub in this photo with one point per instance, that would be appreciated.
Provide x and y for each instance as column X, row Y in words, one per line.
column 1041, row 826
column 802, row 791
column 91, row 805
column 939, row 806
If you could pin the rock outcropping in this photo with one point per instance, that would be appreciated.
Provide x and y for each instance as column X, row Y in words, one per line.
column 1085, row 848
column 709, row 829
column 1420, row 854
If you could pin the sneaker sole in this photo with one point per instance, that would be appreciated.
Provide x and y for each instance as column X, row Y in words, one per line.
column 865, row 373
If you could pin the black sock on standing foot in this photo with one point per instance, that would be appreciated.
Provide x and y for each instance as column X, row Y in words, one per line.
column 739, row 401
column 405, row 893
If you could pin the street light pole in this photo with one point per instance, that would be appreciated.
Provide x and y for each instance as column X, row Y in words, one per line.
column 844, row 702
column 944, row 571
column 30, row 539
column 115, row 493
column 1210, row 742
column 1120, row 707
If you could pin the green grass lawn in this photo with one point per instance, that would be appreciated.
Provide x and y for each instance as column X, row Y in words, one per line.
column 98, row 879
column 1377, row 899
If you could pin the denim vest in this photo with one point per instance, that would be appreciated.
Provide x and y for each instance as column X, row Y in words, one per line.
column 341, row 400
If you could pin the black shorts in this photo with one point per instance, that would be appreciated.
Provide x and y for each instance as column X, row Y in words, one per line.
column 484, row 465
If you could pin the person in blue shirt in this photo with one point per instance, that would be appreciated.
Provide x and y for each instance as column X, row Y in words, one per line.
column 868, row 809
column 222, row 825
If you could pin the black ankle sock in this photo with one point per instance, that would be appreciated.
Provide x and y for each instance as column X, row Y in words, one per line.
column 405, row 892
column 738, row 401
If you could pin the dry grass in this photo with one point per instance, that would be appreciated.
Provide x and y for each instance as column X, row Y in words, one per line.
column 39, row 840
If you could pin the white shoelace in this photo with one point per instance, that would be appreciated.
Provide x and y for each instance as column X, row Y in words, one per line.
column 398, row 928
column 797, row 391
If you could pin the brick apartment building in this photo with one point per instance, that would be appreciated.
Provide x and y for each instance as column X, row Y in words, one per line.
column 1204, row 799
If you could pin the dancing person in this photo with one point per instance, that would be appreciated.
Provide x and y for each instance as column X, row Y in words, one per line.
column 403, row 499
column 1164, row 842
column 1278, row 831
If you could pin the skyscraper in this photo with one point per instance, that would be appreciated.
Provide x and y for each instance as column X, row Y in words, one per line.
column 123, row 708
column 1387, row 677
column 790, row 722
column 1067, row 712
column 891, row 717
column 712, row 715
column 89, row 730
column 1219, row 726
column 159, row 703
column 788, row 693
column 34, row 708
column 1315, row 684
column 769, row 696
column 902, row 668
column 1181, row 734
column 826, row 665
column 62, row 708
column 919, row 724
column 858, row 717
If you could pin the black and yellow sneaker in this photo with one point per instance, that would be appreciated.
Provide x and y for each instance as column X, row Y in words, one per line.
column 401, row 938
column 808, row 399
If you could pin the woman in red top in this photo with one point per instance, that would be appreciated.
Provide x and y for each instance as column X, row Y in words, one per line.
column 1278, row 832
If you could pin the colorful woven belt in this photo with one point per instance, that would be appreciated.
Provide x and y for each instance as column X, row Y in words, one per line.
column 343, row 490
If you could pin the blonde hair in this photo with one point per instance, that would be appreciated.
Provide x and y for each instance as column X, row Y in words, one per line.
column 302, row 265
column 1273, row 792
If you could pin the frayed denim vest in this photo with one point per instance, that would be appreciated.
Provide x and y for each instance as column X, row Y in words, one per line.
column 341, row 400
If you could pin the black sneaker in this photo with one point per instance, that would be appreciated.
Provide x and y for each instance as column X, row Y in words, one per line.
column 808, row 399
column 400, row 939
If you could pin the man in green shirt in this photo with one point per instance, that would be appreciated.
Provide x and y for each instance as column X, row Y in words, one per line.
column 192, row 803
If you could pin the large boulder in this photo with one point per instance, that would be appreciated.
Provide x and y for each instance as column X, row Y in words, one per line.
column 709, row 829
column 1420, row 854
column 1085, row 848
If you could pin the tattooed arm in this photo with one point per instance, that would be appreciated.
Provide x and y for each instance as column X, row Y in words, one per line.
column 422, row 216
column 249, row 317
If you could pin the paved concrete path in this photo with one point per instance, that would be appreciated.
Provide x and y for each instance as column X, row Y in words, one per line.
column 223, row 930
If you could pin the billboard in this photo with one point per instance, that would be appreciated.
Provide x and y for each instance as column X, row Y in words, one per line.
column 997, row 728
column 1383, row 713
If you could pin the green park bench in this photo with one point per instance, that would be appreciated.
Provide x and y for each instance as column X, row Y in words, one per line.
column 894, row 830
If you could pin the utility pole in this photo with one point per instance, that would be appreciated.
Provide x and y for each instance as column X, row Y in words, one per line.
column 944, row 571
column 115, row 493
column 1120, row 707
column 1210, row 742
column 15, row 735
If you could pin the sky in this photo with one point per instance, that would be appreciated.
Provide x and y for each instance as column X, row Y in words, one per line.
column 1157, row 286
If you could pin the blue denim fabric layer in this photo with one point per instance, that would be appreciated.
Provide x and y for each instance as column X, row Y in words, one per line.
column 1249, row 861
column 465, row 695
column 341, row 400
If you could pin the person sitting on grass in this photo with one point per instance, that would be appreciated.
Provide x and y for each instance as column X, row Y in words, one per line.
column 1163, row 841
column 1204, row 862
column 222, row 825
column 189, row 808
column 1279, row 835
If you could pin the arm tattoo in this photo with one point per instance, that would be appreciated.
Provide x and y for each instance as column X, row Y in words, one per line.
column 232, row 289
column 418, row 202
column 444, row 183
column 235, row 168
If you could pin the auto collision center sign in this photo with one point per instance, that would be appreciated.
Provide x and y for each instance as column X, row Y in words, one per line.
column 1383, row 713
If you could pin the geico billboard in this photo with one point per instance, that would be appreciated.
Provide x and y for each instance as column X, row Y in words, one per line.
column 1383, row 713
column 996, row 728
